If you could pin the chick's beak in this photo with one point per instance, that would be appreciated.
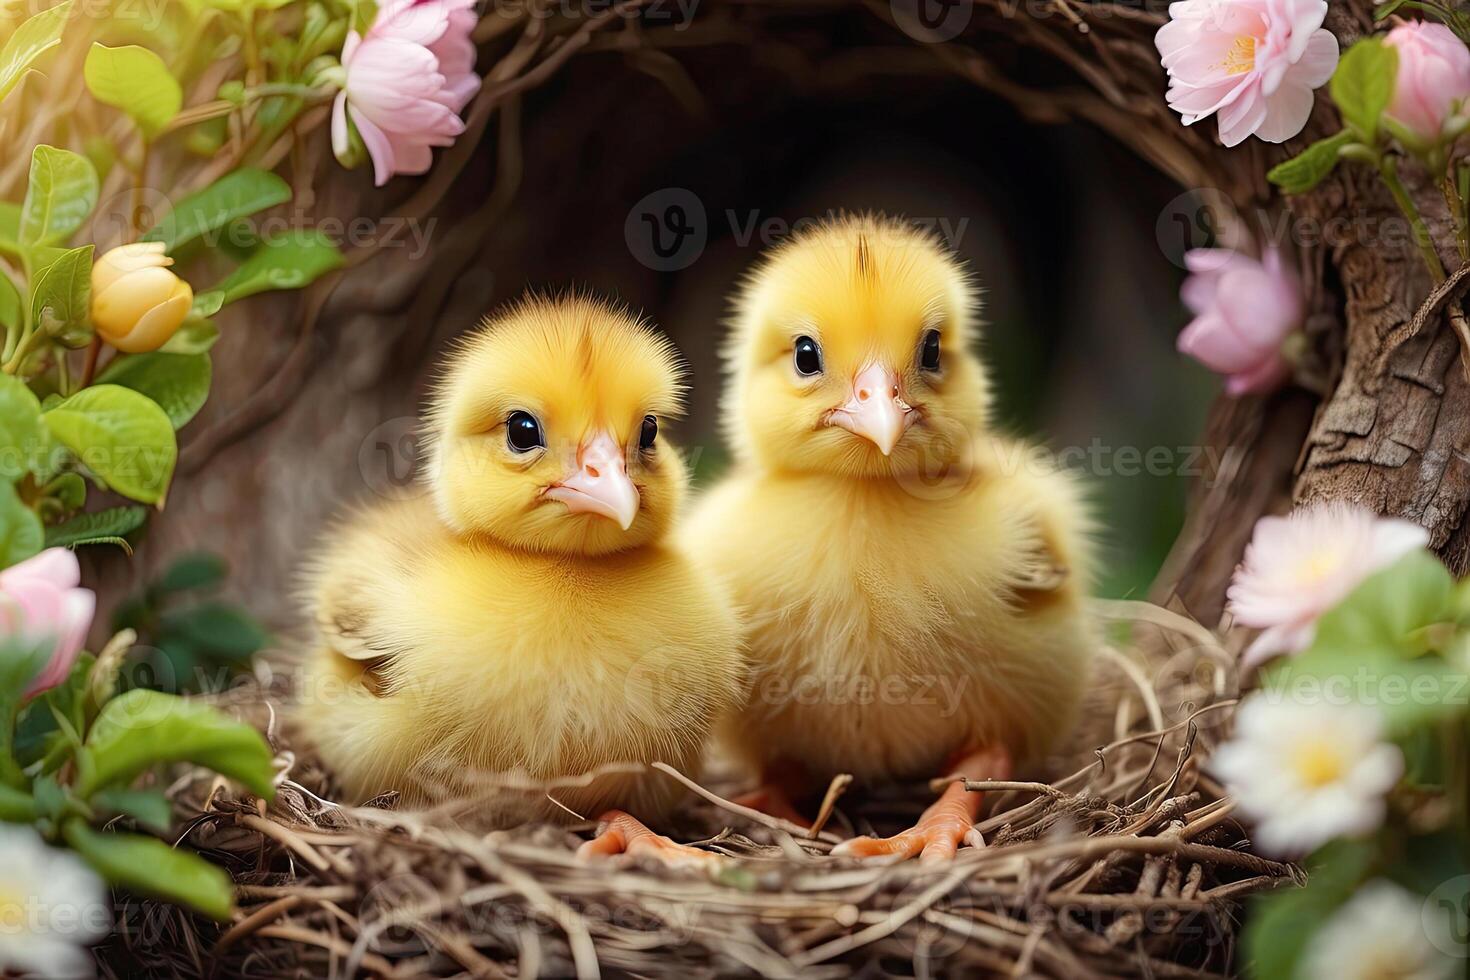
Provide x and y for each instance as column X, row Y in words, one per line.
column 876, row 411
column 601, row 484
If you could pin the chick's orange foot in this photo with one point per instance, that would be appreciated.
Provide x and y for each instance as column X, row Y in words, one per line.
column 623, row 833
column 946, row 825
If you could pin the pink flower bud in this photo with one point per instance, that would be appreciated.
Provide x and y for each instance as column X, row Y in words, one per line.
column 40, row 602
column 1433, row 80
column 407, row 80
column 1244, row 311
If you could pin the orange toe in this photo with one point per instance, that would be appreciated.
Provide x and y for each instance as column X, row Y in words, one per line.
column 623, row 833
column 773, row 801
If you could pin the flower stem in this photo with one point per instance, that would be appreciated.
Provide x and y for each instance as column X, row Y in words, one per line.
column 1388, row 169
column 1457, row 212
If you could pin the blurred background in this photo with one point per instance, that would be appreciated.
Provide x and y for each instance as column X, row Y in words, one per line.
column 661, row 182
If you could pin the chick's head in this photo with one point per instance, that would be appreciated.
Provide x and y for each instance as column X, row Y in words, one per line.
column 547, row 430
column 852, row 353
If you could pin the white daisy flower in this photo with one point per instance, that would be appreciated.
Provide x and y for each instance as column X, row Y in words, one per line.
column 52, row 906
column 1299, row 566
column 1306, row 773
column 1381, row 932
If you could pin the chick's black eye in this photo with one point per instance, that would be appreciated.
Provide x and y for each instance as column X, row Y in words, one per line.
column 929, row 351
column 648, row 433
column 808, row 357
column 523, row 432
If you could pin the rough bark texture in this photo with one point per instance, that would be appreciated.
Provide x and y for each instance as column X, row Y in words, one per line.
column 315, row 395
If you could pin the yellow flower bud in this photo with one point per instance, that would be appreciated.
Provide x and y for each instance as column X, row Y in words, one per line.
column 137, row 303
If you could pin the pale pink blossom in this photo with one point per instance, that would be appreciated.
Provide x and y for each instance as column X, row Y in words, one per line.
column 1433, row 78
column 1244, row 311
column 1254, row 62
column 408, row 79
column 40, row 602
column 1298, row 567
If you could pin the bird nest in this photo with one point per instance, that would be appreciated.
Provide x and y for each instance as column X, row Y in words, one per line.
column 1129, row 862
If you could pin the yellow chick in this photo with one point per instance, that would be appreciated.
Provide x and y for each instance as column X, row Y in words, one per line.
column 528, row 620
column 914, row 585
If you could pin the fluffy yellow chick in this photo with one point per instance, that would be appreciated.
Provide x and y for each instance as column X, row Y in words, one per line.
column 528, row 620
column 914, row 584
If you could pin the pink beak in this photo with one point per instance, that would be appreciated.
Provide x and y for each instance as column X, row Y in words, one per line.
column 601, row 484
column 876, row 411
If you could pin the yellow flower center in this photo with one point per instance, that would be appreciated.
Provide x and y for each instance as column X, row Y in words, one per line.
column 12, row 911
column 1241, row 57
column 1318, row 763
column 1315, row 567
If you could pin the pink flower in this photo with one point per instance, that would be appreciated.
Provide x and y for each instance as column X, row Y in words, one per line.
column 1299, row 566
column 1433, row 80
column 1244, row 310
column 407, row 81
column 40, row 602
column 1255, row 62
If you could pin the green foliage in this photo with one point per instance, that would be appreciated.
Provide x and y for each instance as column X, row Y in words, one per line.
column 20, row 429
column 68, row 759
column 142, row 729
column 148, row 866
column 39, row 34
column 288, row 261
column 236, row 195
column 61, row 193
column 123, row 437
column 98, row 527
column 201, row 640
column 61, row 297
column 21, row 534
column 1282, row 923
column 1363, row 86
column 1310, row 167
column 137, row 81
column 178, row 383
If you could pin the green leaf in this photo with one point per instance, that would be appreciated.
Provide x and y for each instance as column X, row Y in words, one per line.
column 135, row 80
column 1385, row 10
column 194, row 337
column 123, row 437
column 60, row 195
column 18, row 665
column 218, row 627
column 150, row 867
column 1310, row 167
column 21, row 535
column 62, row 296
column 236, row 195
column 39, row 34
column 148, row 807
column 98, row 527
column 1381, row 614
column 1363, row 85
column 1280, row 924
column 9, row 303
column 200, row 570
column 141, row 729
column 9, row 228
column 68, row 490
column 179, row 383
column 21, row 439
column 289, row 261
